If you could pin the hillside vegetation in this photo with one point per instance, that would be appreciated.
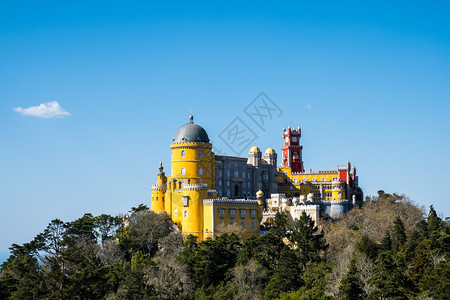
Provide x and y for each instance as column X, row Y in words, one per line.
column 387, row 249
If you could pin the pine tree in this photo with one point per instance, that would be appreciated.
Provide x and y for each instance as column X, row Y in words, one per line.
column 351, row 285
column 309, row 243
column 286, row 277
column 387, row 277
column 398, row 235
column 386, row 242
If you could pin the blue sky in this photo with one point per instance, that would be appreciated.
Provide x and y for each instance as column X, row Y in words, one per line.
column 367, row 82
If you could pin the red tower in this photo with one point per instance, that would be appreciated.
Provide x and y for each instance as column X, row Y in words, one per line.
column 292, row 151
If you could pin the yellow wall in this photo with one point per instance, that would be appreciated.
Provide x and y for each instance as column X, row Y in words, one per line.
column 221, row 223
column 192, row 162
column 292, row 184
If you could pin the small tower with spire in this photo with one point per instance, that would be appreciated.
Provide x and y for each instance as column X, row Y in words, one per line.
column 159, row 190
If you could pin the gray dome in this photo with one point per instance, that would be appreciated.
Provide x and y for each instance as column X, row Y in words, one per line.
column 191, row 133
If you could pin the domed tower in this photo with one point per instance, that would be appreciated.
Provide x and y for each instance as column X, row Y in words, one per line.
column 254, row 156
column 270, row 156
column 159, row 191
column 192, row 176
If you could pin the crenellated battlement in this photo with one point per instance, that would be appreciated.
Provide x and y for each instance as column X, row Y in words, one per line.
column 197, row 186
column 230, row 201
column 159, row 187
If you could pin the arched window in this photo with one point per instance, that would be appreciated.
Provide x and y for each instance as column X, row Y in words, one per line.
column 200, row 153
column 183, row 171
column 242, row 225
column 185, row 214
column 200, row 171
column 175, row 212
column 183, row 153
column 236, row 173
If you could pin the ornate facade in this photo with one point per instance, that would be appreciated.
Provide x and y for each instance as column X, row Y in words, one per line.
column 206, row 193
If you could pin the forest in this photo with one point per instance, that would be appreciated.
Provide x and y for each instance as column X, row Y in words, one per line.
column 389, row 248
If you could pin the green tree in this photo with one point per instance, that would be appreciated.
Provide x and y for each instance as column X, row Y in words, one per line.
column 351, row 285
column 388, row 278
column 314, row 280
column 19, row 275
column 106, row 226
column 398, row 235
column 210, row 261
column 280, row 226
column 436, row 281
column 367, row 246
column 310, row 244
column 286, row 277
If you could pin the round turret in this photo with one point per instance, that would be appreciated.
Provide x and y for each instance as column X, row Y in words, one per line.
column 270, row 151
column 254, row 149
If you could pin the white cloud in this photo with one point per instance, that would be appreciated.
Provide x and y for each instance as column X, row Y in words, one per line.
column 308, row 106
column 44, row 110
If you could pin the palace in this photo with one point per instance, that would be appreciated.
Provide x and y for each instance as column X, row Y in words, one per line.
column 207, row 193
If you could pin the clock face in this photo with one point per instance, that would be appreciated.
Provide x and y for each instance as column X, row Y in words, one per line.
column 294, row 139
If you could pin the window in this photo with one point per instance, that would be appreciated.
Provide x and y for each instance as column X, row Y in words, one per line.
column 323, row 179
column 252, row 225
column 220, row 182
column 200, row 153
column 200, row 171
column 175, row 212
column 228, row 173
column 183, row 171
column 163, row 198
column 185, row 201
column 242, row 225
column 314, row 179
column 232, row 213
column 201, row 181
column 285, row 173
column 253, row 213
column 248, row 175
column 183, row 153
column 236, row 173
column 231, row 223
column 304, row 178
column 295, row 180
column 228, row 183
column 340, row 194
column 156, row 198
column 222, row 213
column 185, row 214
column 242, row 213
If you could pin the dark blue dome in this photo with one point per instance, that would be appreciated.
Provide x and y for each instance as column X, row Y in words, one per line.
column 191, row 133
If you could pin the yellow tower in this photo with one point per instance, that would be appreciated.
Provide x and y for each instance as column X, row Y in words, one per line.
column 192, row 177
column 159, row 191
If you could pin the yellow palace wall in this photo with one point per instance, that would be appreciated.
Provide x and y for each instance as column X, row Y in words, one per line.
column 305, row 183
